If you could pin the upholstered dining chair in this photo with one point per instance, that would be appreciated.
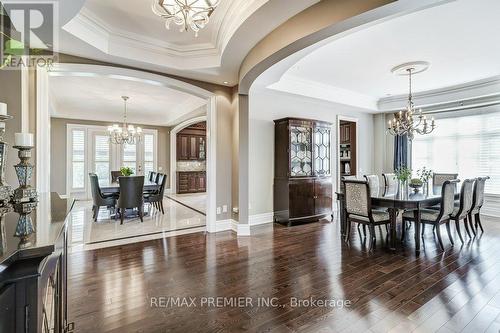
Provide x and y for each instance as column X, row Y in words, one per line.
column 115, row 175
column 477, row 203
column 131, row 189
column 462, row 211
column 150, row 176
column 98, row 198
column 390, row 184
column 156, row 198
column 374, row 184
column 438, row 217
column 358, row 208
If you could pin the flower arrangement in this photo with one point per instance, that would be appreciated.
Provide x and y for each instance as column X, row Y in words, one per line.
column 126, row 171
column 425, row 174
column 403, row 174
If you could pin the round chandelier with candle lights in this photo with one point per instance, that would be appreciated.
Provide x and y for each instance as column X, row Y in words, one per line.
column 410, row 121
column 124, row 133
column 193, row 14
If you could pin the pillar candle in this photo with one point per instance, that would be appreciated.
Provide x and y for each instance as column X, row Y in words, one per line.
column 3, row 109
column 23, row 139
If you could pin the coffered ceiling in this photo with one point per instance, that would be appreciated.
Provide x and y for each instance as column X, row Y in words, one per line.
column 459, row 39
column 128, row 32
column 96, row 97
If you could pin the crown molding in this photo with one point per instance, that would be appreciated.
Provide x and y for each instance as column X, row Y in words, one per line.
column 88, row 27
column 448, row 95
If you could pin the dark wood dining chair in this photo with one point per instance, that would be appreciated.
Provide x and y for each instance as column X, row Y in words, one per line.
column 462, row 211
column 152, row 176
column 358, row 208
column 477, row 203
column 131, row 196
column 438, row 217
column 98, row 198
column 115, row 175
column 156, row 198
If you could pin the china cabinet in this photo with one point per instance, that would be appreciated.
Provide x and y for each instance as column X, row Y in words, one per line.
column 302, row 175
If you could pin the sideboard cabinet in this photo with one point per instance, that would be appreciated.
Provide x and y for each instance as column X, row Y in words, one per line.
column 302, row 170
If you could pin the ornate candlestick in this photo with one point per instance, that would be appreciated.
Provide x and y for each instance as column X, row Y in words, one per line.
column 24, row 172
column 24, row 227
column 5, row 189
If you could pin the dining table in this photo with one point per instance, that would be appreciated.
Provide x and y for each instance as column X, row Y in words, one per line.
column 403, row 198
column 114, row 187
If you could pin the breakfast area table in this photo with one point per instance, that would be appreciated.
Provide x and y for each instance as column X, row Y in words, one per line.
column 394, row 202
column 114, row 187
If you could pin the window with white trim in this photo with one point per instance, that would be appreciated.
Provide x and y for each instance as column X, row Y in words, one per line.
column 78, row 159
column 149, row 153
column 465, row 144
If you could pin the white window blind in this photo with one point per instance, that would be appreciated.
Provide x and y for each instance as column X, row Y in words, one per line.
column 78, row 159
column 468, row 145
column 102, row 158
column 130, row 157
column 149, row 149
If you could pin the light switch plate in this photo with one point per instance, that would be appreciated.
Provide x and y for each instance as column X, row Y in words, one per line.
column 224, row 209
column 218, row 210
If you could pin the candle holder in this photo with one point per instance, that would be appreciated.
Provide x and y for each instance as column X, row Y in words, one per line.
column 24, row 172
column 5, row 189
column 24, row 227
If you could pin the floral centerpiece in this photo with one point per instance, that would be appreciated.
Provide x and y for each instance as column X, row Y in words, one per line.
column 126, row 171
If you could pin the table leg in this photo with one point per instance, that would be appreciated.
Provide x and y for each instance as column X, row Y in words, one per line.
column 393, row 213
column 416, row 215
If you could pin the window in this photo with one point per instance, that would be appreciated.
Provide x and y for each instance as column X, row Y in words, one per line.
column 101, row 158
column 149, row 153
column 130, row 157
column 468, row 145
column 78, row 159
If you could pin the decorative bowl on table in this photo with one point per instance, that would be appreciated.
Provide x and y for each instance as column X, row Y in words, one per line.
column 416, row 184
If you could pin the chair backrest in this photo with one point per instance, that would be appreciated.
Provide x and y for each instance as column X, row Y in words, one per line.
column 438, row 179
column 160, row 178
column 478, row 195
column 162, row 185
column 357, row 197
column 448, row 198
column 95, row 189
column 390, row 183
column 131, row 190
column 466, row 198
column 374, row 184
column 152, row 176
column 115, row 175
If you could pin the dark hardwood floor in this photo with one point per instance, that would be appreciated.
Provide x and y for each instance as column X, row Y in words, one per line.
column 452, row 291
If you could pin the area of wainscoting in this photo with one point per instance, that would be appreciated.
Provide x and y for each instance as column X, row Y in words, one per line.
column 245, row 229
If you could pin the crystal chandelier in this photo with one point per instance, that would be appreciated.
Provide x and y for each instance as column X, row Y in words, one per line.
column 409, row 121
column 126, row 134
column 192, row 14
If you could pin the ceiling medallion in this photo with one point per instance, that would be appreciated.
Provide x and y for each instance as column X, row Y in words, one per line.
column 409, row 121
column 126, row 134
column 192, row 14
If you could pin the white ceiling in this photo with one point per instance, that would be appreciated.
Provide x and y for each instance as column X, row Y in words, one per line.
column 88, row 96
column 460, row 39
column 128, row 32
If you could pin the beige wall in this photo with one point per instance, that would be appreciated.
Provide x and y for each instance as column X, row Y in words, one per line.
column 58, row 141
column 225, row 113
column 10, row 93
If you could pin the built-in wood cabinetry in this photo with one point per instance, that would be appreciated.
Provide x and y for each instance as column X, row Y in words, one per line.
column 191, row 181
column 347, row 148
column 302, row 182
column 191, row 143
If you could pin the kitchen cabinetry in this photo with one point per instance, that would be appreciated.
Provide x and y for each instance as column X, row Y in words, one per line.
column 191, row 182
column 191, row 143
column 302, row 183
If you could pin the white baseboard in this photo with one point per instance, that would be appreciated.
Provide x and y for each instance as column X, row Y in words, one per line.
column 168, row 191
column 224, row 225
column 259, row 219
column 239, row 229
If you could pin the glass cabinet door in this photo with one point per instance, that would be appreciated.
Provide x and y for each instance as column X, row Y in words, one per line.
column 300, row 151
column 322, row 152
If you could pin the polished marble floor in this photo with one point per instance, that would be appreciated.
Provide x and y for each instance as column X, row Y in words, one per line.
column 197, row 201
column 456, row 290
column 85, row 232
